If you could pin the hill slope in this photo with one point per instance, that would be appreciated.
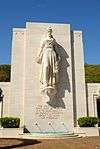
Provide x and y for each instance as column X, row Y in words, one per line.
column 92, row 73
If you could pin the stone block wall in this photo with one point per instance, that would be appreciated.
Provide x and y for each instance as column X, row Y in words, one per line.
column 5, row 105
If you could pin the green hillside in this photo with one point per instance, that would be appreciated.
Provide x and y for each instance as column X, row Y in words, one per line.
column 92, row 73
column 5, row 73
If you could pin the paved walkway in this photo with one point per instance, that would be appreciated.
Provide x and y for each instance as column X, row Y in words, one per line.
column 78, row 143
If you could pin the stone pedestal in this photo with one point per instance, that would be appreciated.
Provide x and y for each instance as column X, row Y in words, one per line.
column 42, row 114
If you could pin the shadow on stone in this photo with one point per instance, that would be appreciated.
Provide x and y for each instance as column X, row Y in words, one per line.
column 56, row 103
column 64, row 82
column 26, row 130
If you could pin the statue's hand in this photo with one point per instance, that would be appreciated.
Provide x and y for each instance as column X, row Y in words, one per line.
column 38, row 60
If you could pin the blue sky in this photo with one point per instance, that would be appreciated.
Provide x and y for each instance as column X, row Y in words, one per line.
column 81, row 14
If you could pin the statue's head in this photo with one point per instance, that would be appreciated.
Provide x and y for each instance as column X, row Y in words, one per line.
column 49, row 30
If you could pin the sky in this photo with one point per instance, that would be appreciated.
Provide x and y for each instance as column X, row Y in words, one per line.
column 81, row 14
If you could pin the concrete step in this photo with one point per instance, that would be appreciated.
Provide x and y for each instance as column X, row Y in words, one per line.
column 49, row 135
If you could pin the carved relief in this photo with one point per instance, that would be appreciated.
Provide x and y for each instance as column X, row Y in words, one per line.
column 49, row 60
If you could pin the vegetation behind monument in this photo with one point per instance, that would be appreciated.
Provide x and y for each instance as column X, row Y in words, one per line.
column 92, row 73
column 5, row 73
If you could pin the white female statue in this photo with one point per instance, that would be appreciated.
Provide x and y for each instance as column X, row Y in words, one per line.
column 49, row 60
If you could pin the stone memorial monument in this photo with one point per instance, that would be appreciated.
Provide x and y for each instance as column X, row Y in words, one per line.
column 47, row 89
column 42, row 87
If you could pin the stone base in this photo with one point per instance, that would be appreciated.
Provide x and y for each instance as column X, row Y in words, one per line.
column 57, row 135
column 10, row 132
column 87, row 131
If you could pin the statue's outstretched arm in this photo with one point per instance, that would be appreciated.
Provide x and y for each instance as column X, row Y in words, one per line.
column 40, row 54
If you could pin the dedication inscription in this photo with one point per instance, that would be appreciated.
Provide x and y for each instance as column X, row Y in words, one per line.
column 46, row 112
